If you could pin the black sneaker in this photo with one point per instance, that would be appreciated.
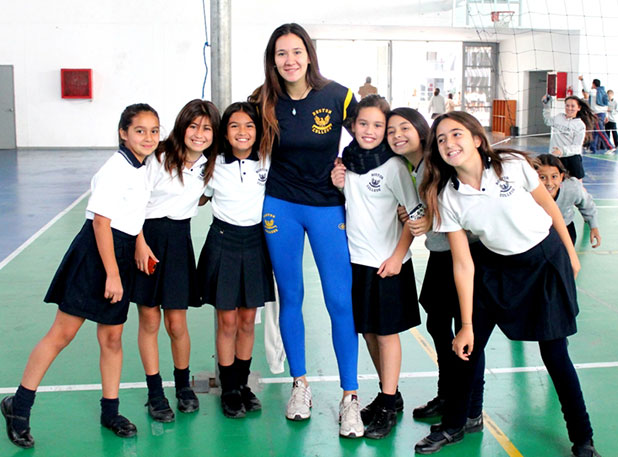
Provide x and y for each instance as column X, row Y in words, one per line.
column 251, row 402
column 187, row 400
column 435, row 441
column 368, row 411
column 432, row 408
column 473, row 425
column 382, row 423
column 585, row 450
column 121, row 426
column 22, row 439
column 159, row 409
column 232, row 405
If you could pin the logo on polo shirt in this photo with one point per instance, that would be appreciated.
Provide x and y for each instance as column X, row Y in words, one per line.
column 262, row 175
column 269, row 223
column 341, row 226
column 505, row 188
column 375, row 182
column 321, row 121
column 203, row 171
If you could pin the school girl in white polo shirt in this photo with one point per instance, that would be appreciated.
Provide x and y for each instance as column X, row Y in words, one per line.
column 234, row 270
column 523, row 276
column 176, row 173
column 375, row 181
column 95, row 276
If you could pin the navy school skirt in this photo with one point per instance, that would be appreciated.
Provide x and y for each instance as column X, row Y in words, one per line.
column 234, row 268
column 174, row 282
column 439, row 293
column 78, row 286
column 531, row 296
column 384, row 306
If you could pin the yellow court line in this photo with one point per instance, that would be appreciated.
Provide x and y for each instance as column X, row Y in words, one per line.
column 493, row 428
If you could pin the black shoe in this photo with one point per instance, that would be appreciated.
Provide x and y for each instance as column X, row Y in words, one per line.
column 432, row 408
column 369, row 411
column 159, row 409
column 435, row 441
column 383, row 421
column 473, row 425
column 249, row 400
column 22, row 439
column 585, row 450
column 187, row 400
column 121, row 426
column 232, row 404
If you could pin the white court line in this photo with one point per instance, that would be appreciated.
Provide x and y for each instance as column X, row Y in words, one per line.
column 286, row 380
column 43, row 229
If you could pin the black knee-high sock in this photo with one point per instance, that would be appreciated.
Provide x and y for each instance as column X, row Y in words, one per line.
column 181, row 378
column 22, row 405
column 155, row 386
column 227, row 377
column 109, row 409
column 242, row 370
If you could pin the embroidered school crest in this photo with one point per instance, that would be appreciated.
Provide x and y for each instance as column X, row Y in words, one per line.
column 505, row 187
column 321, row 121
column 262, row 175
column 375, row 182
column 269, row 223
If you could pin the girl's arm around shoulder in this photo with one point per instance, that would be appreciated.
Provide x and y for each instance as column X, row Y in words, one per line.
column 105, row 245
column 542, row 197
column 463, row 271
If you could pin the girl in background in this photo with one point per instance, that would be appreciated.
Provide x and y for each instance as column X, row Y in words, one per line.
column 302, row 115
column 568, row 132
column 523, row 276
column 234, row 268
column 95, row 276
column 383, row 285
column 568, row 193
column 177, row 177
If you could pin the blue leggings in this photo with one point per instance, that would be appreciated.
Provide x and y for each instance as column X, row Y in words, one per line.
column 285, row 224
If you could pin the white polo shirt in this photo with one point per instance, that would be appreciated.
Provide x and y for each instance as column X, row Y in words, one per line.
column 503, row 213
column 120, row 192
column 372, row 224
column 170, row 197
column 237, row 189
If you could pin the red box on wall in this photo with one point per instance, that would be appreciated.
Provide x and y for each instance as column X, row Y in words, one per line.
column 76, row 82
column 556, row 84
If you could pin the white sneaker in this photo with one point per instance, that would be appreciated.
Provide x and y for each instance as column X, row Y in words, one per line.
column 299, row 404
column 350, row 422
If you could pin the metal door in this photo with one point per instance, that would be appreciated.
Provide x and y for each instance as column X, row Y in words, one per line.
column 7, row 108
column 480, row 61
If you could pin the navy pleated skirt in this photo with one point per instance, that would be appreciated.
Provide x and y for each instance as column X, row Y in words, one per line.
column 173, row 285
column 234, row 268
column 78, row 286
column 384, row 306
column 532, row 295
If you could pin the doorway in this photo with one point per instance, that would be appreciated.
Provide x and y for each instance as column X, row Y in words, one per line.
column 7, row 108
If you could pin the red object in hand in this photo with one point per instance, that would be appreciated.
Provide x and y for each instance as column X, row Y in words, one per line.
column 152, row 265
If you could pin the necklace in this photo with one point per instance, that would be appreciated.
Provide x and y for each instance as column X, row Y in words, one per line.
column 304, row 94
column 191, row 162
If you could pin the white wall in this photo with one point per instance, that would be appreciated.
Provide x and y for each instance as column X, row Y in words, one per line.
column 139, row 52
column 151, row 51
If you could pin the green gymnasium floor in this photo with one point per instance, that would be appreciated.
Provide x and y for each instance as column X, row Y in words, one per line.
column 523, row 415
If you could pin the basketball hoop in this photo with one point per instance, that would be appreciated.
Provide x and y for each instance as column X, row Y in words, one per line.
column 502, row 19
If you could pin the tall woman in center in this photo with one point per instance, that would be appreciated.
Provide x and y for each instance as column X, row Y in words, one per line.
column 303, row 114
